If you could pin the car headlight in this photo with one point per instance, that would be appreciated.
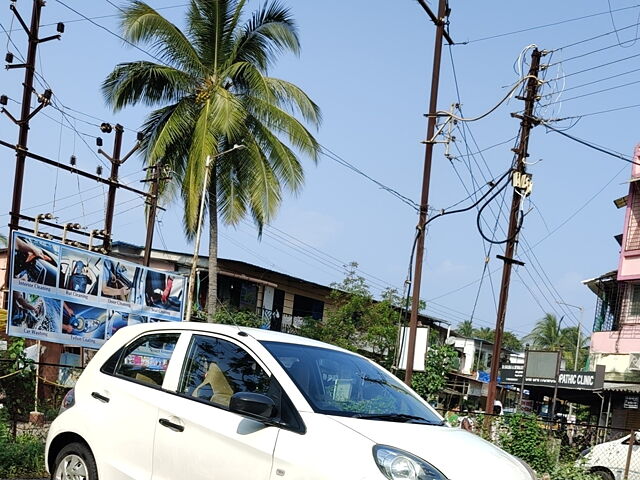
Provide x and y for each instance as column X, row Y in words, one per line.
column 397, row 464
column 585, row 452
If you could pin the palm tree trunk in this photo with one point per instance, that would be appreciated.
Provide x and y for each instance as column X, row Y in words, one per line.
column 212, row 295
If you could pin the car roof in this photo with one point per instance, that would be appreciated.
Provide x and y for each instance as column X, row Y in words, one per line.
column 257, row 333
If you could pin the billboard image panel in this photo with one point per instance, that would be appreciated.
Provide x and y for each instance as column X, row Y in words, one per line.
column 67, row 295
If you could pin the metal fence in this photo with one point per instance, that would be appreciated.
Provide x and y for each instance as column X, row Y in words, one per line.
column 613, row 453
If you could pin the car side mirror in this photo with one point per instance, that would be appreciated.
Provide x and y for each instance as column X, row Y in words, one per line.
column 253, row 405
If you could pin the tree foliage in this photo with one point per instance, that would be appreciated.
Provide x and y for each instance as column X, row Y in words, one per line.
column 358, row 322
column 210, row 90
column 509, row 340
column 548, row 335
column 17, row 384
column 439, row 361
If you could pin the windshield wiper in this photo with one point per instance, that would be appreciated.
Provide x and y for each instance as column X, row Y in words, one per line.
column 397, row 417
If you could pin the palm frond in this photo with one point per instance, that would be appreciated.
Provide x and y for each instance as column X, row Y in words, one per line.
column 142, row 24
column 145, row 82
column 202, row 145
column 282, row 122
column 270, row 32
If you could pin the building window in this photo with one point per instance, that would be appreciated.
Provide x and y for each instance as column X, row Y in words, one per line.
column 237, row 293
column 634, row 300
column 307, row 307
column 633, row 229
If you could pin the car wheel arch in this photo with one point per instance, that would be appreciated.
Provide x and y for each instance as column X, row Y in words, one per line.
column 59, row 442
column 604, row 470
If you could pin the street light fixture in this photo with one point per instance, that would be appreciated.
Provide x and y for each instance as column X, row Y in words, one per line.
column 196, row 251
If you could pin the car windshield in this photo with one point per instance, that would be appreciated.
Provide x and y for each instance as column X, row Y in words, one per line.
column 340, row 383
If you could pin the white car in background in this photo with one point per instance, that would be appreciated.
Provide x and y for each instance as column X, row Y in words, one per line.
column 608, row 460
column 203, row 401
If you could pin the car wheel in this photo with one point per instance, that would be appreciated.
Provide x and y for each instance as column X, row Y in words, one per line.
column 603, row 474
column 75, row 462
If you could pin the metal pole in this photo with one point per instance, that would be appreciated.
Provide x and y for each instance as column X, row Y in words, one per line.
column 524, row 374
column 196, row 250
column 575, row 360
column 111, row 199
column 35, row 406
column 555, row 388
column 629, row 452
column 23, row 133
column 424, row 201
column 514, row 218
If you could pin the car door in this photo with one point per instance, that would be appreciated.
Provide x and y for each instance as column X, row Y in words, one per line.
column 125, row 403
column 197, row 436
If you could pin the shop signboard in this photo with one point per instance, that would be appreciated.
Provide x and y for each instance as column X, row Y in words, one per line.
column 63, row 294
column 631, row 402
column 566, row 378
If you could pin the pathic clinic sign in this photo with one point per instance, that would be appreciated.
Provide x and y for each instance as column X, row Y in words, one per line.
column 64, row 294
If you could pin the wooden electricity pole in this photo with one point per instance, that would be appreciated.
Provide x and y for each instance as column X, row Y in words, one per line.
column 521, row 182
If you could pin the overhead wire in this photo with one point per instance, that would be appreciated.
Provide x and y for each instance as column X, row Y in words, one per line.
column 547, row 278
column 553, row 24
column 613, row 24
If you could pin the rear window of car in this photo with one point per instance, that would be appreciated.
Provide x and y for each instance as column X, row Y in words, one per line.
column 145, row 360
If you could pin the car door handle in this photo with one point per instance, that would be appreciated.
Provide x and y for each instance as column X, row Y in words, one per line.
column 173, row 426
column 102, row 398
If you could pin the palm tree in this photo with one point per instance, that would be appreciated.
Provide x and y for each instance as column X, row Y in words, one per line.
column 569, row 341
column 211, row 91
column 465, row 328
column 484, row 333
column 546, row 334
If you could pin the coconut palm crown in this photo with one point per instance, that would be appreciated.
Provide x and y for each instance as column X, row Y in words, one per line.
column 209, row 87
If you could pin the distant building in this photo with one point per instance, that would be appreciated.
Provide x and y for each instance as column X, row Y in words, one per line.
column 615, row 342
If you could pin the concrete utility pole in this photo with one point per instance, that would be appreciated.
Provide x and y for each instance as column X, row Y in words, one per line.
column 116, row 161
column 521, row 182
column 443, row 13
column 153, row 207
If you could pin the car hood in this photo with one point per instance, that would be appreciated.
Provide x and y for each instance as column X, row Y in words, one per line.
column 458, row 454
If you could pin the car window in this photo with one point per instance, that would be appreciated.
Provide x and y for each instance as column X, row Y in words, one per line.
column 147, row 358
column 215, row 369
column 340, row 383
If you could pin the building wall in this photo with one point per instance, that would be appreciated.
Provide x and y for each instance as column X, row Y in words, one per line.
column 623, row 341
column 616, row 367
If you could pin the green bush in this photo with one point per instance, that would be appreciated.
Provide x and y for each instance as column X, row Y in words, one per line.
column 526, row 439
column 20, row 457
column 570, row 471
column 238, row 318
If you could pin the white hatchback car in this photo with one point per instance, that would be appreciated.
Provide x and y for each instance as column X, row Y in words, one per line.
column 608, row 460
column 202, row 401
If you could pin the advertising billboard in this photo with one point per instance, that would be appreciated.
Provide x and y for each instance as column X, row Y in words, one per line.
column 64, row 294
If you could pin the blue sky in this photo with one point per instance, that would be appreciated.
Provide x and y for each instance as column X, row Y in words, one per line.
column 368, row 65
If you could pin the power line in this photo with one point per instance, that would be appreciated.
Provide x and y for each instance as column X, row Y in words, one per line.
column 635, row 82
column 537, row 27
column 112, row 33
column 341, row 161
column 591, row 145
column 595, row 67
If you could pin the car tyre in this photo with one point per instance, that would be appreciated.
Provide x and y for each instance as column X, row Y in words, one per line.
column 75, row 462
column 603, row 474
